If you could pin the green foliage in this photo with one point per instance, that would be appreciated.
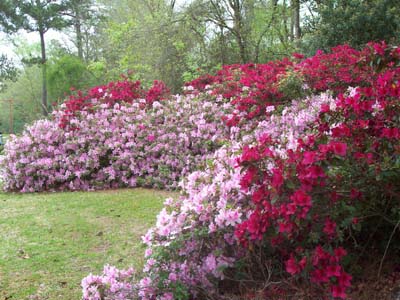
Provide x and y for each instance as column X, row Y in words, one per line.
column 97, row 68
column 354, row 22
column 85, row 16
column 25, row 94
column 143, row 38
column 67, row 72
column 24, row 49
column 32, row 16
column 8, row 71
column 161, row 40
column 291, row 84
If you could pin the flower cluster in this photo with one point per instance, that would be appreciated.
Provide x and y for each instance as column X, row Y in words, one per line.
column 112, row 284
column 124, row 90
column 251, row 88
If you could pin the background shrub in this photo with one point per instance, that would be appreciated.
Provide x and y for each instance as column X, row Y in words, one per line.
column 118, row 144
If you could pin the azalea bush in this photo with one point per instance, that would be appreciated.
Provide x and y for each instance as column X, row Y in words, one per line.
column 334, row 190
column 290, row 205
column 193, row 247
column 254, row 87
column 116, row 144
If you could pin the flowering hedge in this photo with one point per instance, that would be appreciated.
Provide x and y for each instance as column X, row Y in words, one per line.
column 193, row 246
column 309, row 202
column 283, row 208
column 115, row 145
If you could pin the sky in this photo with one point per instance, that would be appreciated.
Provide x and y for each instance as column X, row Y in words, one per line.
column 6, row 47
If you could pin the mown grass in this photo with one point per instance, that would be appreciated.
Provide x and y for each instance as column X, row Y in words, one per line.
column 50, row 241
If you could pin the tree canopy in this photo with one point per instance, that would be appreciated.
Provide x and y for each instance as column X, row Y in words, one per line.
column 34, row 16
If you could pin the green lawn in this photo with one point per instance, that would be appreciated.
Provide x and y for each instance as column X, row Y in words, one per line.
column 50, row 241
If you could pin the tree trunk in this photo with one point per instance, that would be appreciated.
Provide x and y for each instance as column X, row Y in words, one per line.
column 242, row 49
column 296, row 20
column 238, row 30
column 288, row 31
column 78, row 30
column 222, row 44
column 44, row 74
column 79, row 38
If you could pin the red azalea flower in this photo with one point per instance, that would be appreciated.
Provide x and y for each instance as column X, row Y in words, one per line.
column 298, row 55
column 319, row 276
column 319, row 255
column 259, row 195
column 344, row 279
column 291, row 266
column 390, row 133
column 329, row 227
column 338, row 148
column 333, row 270
column 323, row 148
column 302, row 263
column 314, row 172
column 285, row 226
column 339, row 253
column 338, row 292
column 277, row 178
column 250, row 154
column 325, row 108
column 300, row 198
column 308, row 158
column 247, row 178
column 355, row 194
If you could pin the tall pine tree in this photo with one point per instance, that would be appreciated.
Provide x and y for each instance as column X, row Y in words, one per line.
column 34, row 16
